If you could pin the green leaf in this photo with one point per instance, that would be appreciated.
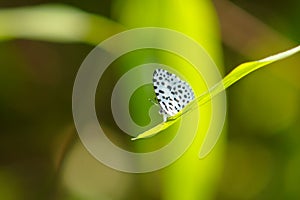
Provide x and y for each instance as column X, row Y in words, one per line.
column 55, row 23
column 235, row 75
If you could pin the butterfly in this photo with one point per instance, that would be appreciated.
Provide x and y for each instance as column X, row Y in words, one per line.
column 172, row 93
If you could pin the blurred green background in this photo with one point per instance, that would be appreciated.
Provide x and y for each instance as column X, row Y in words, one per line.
column 41, row 155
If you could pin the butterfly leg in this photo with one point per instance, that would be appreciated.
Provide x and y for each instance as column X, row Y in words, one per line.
column 165, row 117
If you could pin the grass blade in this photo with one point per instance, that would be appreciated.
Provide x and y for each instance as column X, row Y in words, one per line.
column 236, row 74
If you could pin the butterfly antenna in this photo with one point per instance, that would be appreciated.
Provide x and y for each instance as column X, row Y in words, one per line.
column 153, row 102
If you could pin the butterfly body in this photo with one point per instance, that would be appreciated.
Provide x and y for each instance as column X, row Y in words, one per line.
column 172, row 93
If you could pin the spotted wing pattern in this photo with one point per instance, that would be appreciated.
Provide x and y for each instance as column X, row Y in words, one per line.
column 172, row 93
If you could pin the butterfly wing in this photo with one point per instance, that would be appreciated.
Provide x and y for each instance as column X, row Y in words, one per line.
column 172, row 93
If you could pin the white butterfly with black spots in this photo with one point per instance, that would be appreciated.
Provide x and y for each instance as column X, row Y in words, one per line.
column 172, row 93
